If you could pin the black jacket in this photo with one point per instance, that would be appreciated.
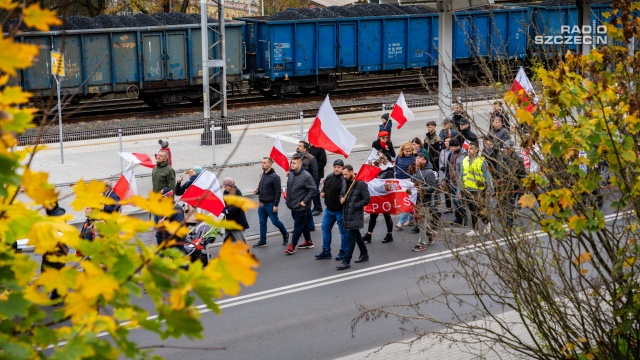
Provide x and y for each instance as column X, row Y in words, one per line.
column 234, row 213
column 425, row 182
column 115, row 207
column 388, row 151
column 178, row 216
column 270, row 188
column 510, row 173
column 300, row 187
column 334, row 187
column 321, row 159
column 353, row 211
column 310, row 164
column 468, row 135
column 181, row 188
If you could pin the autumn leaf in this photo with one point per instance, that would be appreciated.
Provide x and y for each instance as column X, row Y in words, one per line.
column 45, row 235
column 8, row 4
column 233, row 265
column 241, row 202
column 90, row 195
column 15, row 55
column 19, row 120
column 37, row 187
column 174, row 228
column 39, row 18
column 220, row 224
column 577, row 223
column 527, row 201
column 629, row 262
column 582, row 258
column 14, row 95
column 524, row 117
column 156, row 204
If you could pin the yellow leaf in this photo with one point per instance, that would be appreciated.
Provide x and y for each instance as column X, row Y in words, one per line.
column 234, row 264
column 7, row 4
column 220, row 224
column 581, row 340
column 14, row 95
column 174, row 227
column 582, row 258
column 4, row 79
column 62, row 279
column 90, row 195
column 96, row 282
column 584, row 271
column 156, row 204
column 241, row 202
column 15, row 55
column 36, row 185
column 39, row 18
column 524, row 117
column 590, row 356
column 629, row 262
column 527, row 201
column 177, row 297
column 45, row 235
column 510, row 99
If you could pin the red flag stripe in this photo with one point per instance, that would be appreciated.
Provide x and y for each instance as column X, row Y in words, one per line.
column 318, row 138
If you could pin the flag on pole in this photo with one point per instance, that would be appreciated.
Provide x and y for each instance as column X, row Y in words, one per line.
column 391, row 196
column 401, row 112
column 205, row 193
column 138, row 158
column 278, row 155
column 328, row 132
column 372, row 166
column 522, row 88
column 126, row 186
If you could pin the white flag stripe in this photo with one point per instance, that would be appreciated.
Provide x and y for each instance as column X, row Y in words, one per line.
column 334, row 129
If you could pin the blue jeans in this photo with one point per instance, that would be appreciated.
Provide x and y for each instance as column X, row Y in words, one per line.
column 265, row 212
column 328, row 220
column 459, row 210
column 406, row 216
column 300, row 226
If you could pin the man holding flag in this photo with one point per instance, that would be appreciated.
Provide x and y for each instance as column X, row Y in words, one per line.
column 354, row 201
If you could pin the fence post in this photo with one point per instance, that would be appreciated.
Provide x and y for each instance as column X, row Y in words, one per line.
column 120, row 144
column 301, row 125
column 213, row 142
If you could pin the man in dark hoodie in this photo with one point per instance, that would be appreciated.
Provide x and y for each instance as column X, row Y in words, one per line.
column 353, row 216
column 300, row 191
column 333, row 189
column 310, row 164
column 465, row 131
column 269, row 191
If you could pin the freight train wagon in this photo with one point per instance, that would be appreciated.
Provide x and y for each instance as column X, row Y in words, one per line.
column 284, row 57
column 160, row 65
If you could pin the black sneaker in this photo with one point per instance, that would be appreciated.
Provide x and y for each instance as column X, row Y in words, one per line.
column 367, row 237
column 343, row 266
column 325, row 254
column 260, row 244
column 285, row 240
column 415, row 230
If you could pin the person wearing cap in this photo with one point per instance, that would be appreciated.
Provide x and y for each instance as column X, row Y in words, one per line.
column 451, row 172
column 509, row 174
column 269, row 192
column 476, row 183
column 384, row 145
column 447, row 130
column 164, row 146
column 387, row 124
column 426, row 214
column 193, row 175
column 162, row 235
column 465, row 131
column 333, row 189
column 234, row 213
column 458, row 114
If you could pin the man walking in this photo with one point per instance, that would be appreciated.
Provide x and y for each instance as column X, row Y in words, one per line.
column 353, row 216
column 321, row 159
column 333, row 189
column 310, row 164
column 509, row 173
column 433, row 143
column 426, row 217
column 269, row 191
column 452, row 169
column 476, row 181
column 300, row 191
column 163, row 175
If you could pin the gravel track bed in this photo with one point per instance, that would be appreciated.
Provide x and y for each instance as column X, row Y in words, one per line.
column 157, row 123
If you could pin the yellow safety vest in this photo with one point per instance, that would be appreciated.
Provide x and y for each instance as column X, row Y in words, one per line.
column 472, row 176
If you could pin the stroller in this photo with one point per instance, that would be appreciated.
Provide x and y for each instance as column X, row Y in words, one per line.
column 197, row 241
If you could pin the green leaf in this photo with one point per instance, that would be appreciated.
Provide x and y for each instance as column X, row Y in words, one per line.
column 15, row 305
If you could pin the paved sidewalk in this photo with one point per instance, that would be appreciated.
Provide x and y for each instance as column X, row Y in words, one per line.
column 454, row 348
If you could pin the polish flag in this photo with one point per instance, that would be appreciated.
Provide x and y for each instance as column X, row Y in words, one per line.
column 465, row 144
column 137, row 158
column 391, row 196
column 522, row 87
column 372, row 166
column 401, row 112
column 278, row 155
column 126, row 186
column 205, row 193
column 328, row 132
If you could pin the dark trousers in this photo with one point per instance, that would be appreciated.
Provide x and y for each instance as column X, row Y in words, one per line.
column 355, row 238
column 372, row 222
column 317, row 205
column 475, row 201
column 300, row 226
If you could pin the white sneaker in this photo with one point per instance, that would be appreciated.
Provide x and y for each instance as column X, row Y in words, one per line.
column 399, row 225
column 408, row 223
column 487, row 229
column 471, row 233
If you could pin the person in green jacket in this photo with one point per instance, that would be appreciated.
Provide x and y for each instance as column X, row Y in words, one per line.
column 163, row 174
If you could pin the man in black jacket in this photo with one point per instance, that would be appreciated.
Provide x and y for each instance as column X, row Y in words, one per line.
column 300, row 191
column 321, row 159
column 310, row 164
column 333, row 189
column 465, row 131
column 353, row 216
column 269, row 191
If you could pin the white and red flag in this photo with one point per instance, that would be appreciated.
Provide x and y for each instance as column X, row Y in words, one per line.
column 327, row 131
column 401, row 112
column 391, row 196
column 278, row 155
column 465, row 144
column 372, row 166
column 138, row 158
column 522, row 88
column 126, row 186
column 205, row 193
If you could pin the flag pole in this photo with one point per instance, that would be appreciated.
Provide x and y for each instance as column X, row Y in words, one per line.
column 354, row 179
